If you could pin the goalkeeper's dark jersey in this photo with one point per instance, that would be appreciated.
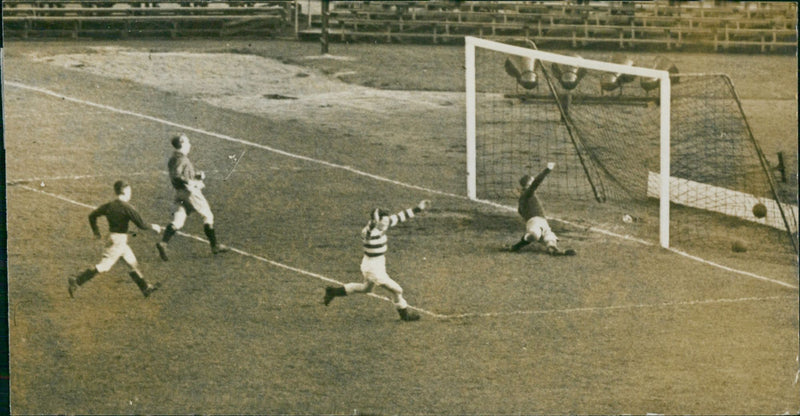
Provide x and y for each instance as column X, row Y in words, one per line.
column 529, row 204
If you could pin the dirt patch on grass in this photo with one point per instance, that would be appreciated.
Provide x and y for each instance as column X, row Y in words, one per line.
column 247, row 83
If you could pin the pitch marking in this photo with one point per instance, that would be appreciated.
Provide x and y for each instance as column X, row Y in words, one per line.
column 235, row 250
column 12, row 182
column 619, row 307
column 441, row 316
column 366, row 174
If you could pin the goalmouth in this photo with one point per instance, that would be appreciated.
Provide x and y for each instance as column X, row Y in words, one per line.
column 639, row 148
column 663, row 77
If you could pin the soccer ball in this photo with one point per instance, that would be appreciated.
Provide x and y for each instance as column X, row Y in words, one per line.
column 738, row 246
column 759, row 210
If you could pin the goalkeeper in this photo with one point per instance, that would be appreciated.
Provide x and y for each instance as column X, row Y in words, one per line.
column 536, row 227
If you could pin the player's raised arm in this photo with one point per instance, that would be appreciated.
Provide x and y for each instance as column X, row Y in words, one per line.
column 539, row 178
column 408, row 213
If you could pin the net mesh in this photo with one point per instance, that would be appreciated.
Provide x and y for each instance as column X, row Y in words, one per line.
column 604, row 136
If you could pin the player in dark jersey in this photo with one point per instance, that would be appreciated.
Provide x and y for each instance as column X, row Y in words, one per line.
column 530, row 209
column 189, row 197
column 373, row 264
column 118, row 213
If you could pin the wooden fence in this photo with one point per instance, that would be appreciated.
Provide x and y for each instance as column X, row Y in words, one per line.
column 765, row 26
column 660, row 24
column 76, row 19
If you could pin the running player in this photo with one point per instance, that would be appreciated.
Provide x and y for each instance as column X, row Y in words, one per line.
column 118, row 213
column 373, row 264
column 530, row 208
column 189, row 197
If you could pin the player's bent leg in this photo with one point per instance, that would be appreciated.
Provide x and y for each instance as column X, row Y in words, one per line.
column 178, row 219
column 162, row 250
column 554, row 250
column 169, row 232
column 364, row 287
column 105, row 264
column 397, row 291
column 405, row 313
column 519, row 244
column 137, row 278
column 216, row 247
column 147, row 289
column 408, row 315
column 332, row 292
column 130, row 258
column 85, row 276
column 399, row 301
column 161, row 246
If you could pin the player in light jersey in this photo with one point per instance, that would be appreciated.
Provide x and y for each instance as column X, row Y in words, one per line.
column 530, row 209
column 189, row 197
column 373, row 264
column 118, row 213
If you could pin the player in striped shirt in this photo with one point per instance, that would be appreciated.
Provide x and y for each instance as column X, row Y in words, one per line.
column 373, row 264
column 530, row 209
column 118, row 213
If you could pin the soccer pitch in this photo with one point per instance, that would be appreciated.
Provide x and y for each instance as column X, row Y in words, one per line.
column 623, row 327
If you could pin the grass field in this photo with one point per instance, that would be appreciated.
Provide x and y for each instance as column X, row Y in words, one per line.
column 622, row 328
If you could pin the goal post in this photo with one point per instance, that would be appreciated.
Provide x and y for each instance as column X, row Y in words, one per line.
column 640, row 149
column 663, row 77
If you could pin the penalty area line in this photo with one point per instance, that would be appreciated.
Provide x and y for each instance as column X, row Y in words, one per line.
column 366, row 174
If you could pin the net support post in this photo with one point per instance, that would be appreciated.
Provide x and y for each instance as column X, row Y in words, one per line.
column 469, row 67
column 663, row 234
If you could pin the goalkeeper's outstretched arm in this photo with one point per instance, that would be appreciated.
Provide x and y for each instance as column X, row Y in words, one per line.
column 538, row 180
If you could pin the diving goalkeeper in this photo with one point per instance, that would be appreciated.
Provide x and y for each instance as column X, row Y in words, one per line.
column 536, row 227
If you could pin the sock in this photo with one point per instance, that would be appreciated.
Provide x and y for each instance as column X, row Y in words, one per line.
column 521, row 243
column 212, row 236
column 168, row 233
column 339, row 291
column 139, row 280
column 86, row 275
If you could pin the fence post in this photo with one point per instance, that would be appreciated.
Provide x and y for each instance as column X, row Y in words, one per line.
column 323, row 38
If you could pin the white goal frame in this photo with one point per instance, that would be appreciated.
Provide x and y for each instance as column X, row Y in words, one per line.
column 470, row 45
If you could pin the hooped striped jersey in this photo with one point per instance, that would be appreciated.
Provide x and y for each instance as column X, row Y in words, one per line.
column 375, row 239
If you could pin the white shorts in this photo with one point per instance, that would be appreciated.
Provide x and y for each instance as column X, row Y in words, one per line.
column 187, row 202
column 538, row 230
column 374, row 270
column 118, row 247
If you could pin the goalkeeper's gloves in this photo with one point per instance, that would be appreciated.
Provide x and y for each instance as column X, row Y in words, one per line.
column 551, row 165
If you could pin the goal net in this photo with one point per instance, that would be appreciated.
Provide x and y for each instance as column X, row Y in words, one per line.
column 640, row 149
